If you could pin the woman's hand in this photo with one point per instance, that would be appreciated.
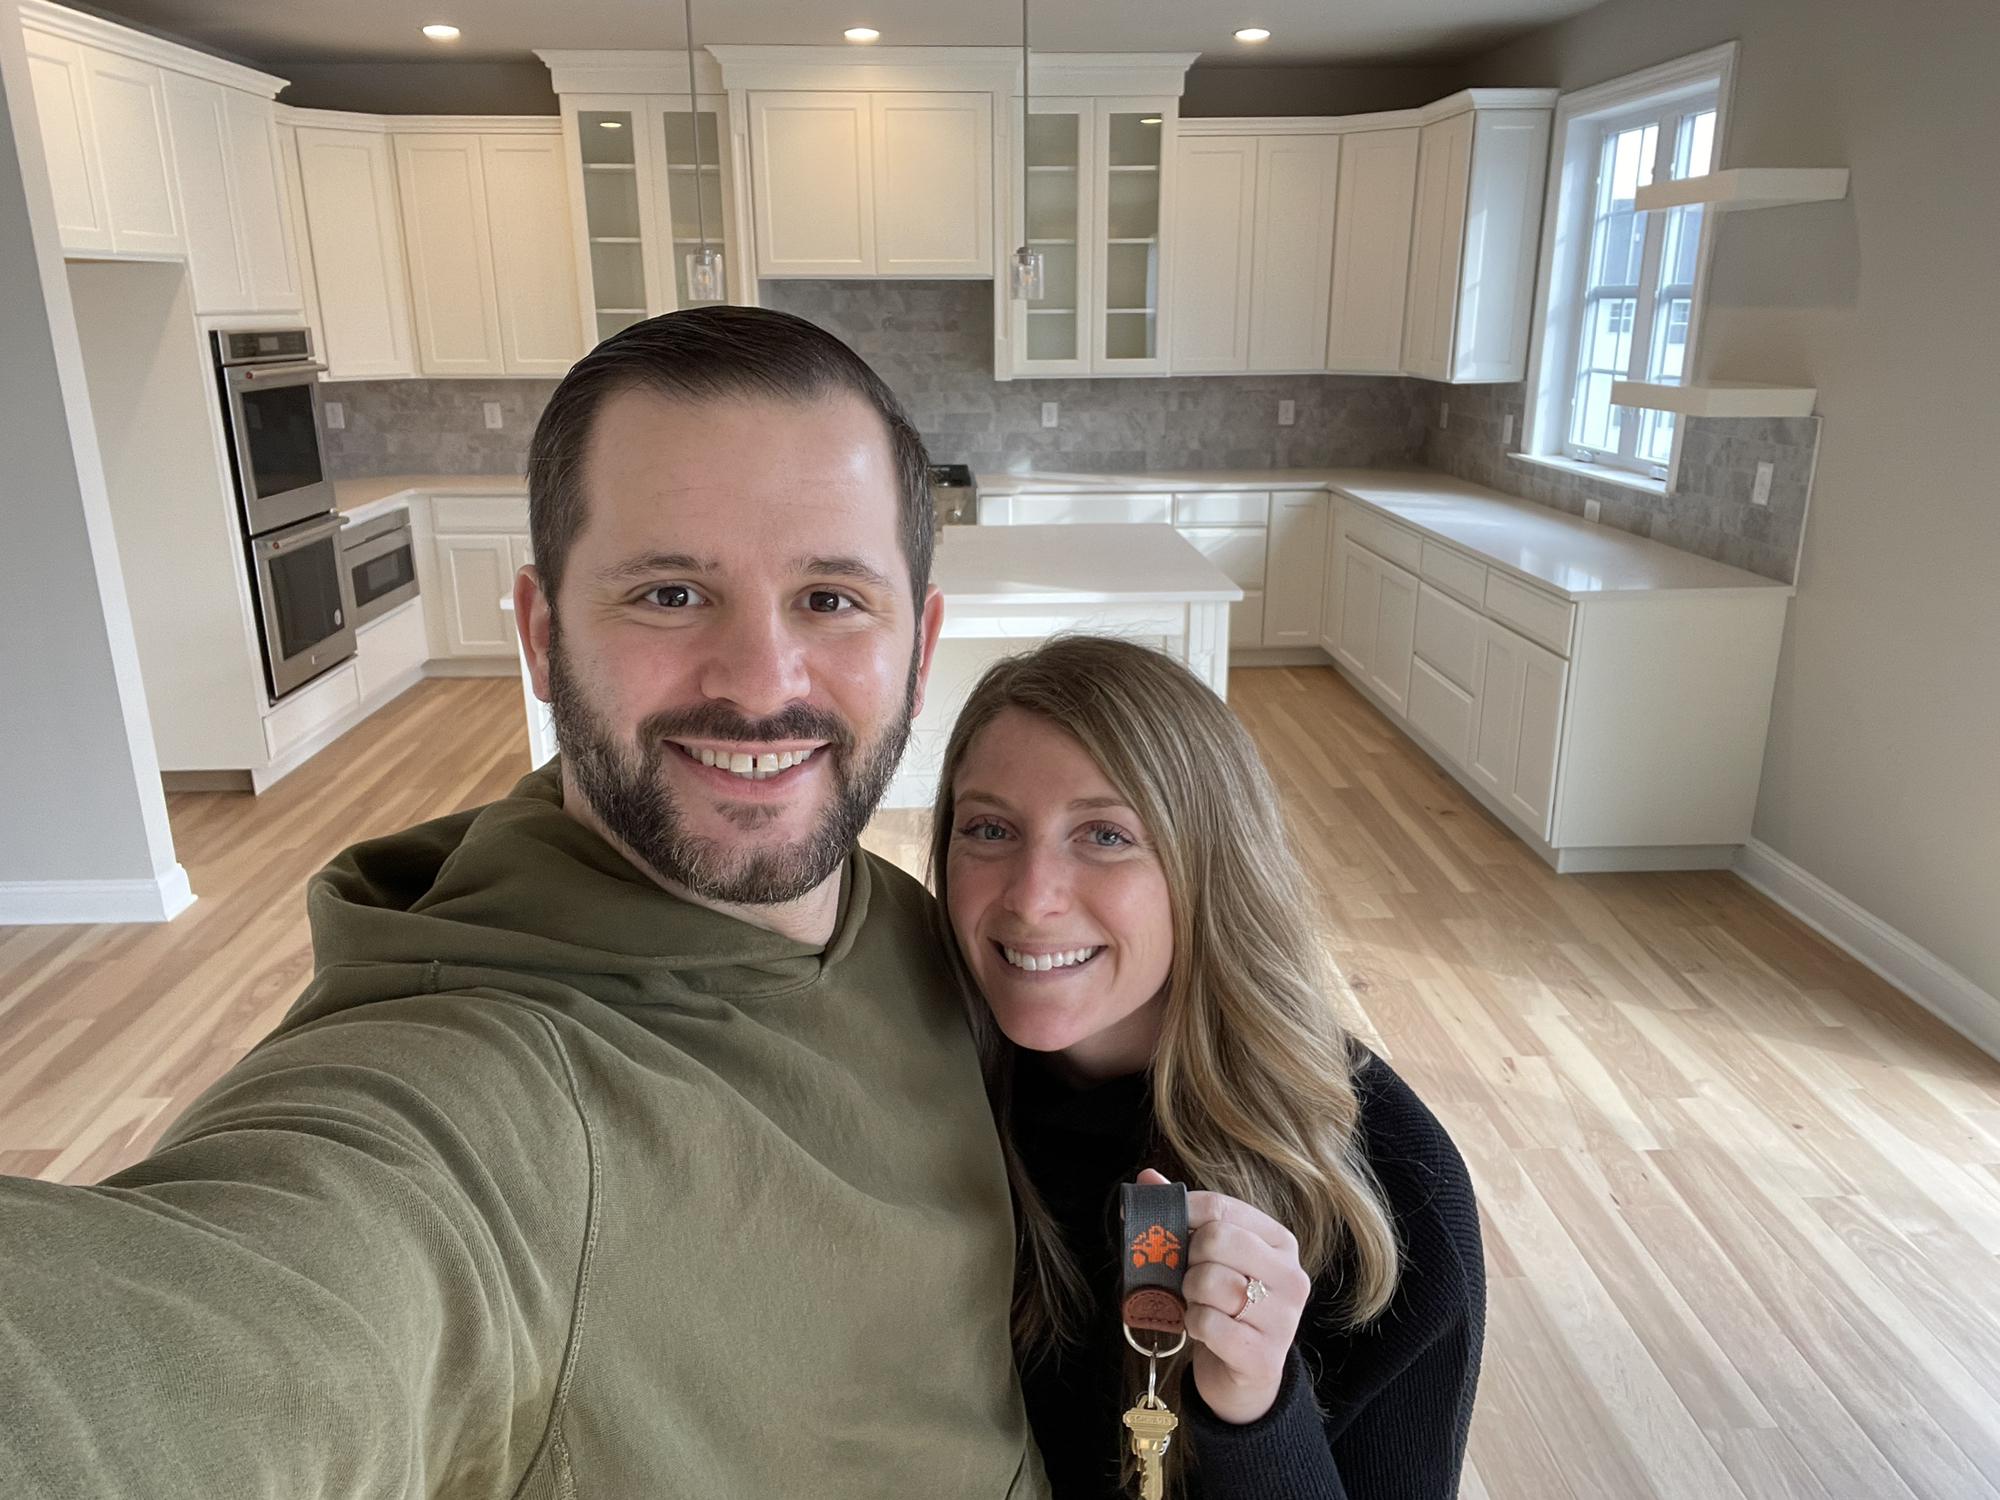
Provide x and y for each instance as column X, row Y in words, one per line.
column 1240, row 1346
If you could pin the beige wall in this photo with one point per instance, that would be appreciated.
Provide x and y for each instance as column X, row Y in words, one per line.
column 1883, row 773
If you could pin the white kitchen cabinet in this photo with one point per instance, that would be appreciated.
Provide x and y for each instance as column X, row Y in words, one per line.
column 813, row 161
column 1360, row 598
column 1519, row 724
column 474, row 570
column 1215, row 222
column 347, row 191
column 1294, row 573
column 533, row 262
column 1376, row 203
column 240, row 250
column 1472, row 258
column 390, row 652
column 933, row 163
column 1240, row 552
column 453, row 300
column 1378, row 624
column 62, row 108
column 1297, row 178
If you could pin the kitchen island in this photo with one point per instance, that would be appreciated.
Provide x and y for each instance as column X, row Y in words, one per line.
column 1007, row 587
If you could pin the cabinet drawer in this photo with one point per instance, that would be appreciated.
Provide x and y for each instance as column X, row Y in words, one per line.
column 1238, row 550
column 1442, row 711
column 1057, row 510
column 1448, row 636
column 479, row 513
column 1540, row 617
column 1246, row 621
column 1229, row 508
column 311, row 708
column 1385, row 538
column 1455, row 573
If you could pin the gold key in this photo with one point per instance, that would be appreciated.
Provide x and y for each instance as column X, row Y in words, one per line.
column 1152, row 1427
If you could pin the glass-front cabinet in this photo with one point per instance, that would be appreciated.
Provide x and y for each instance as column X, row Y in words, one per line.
column 642, row 203
column 1096, row 174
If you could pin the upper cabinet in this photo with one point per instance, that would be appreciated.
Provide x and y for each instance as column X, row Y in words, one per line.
column 1480, row 170
column 353, row 251
column 239, row 239
column 872, row 184
column 1372, row 219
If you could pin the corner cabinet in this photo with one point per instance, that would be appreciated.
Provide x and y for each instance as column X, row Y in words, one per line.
column 351, row 246
column 1374, row 210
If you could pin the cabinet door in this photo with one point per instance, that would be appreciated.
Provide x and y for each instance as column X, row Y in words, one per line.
column 1134, row 199
column 1297, row 176
column 1444, row 164
column 933, row 158
column 1051, row 335
column 521, row 553
column 1360, row 596
column 1215, row 219
column 347, row 187
column 813, row 187
column 128, row 111
column 1295, row 572
column 1395, row 638
column 447, row 235
column 476, row 571
column 1508, row 160
column 1519, row 730
column 62, row 107
column 696, row 193
column 1330, row 606
column 533, row 264
column 201, row 162
column 257, row 188
column 1371, row 250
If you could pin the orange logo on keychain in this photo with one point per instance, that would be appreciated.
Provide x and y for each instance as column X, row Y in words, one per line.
column 1157, row 1246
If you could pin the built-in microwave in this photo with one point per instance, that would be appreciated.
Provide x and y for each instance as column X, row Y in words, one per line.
column 380, row 556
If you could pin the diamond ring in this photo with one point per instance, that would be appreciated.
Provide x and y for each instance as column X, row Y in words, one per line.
column 1254, row 1291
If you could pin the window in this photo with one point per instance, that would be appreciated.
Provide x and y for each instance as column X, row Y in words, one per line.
column 1619, row 284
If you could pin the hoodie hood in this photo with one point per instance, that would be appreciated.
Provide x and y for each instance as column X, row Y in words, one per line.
column 520, row 896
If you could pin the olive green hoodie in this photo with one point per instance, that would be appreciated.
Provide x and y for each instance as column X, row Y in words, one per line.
column 549, row 1185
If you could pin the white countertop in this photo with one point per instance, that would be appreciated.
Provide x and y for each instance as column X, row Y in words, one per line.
column 1117, row 564
column 352, row 494
column 1054, row 482
column 1547, row 547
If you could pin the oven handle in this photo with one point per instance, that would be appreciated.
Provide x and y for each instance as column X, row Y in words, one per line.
column 366, row 549
column 310, row 531
column 275, row 372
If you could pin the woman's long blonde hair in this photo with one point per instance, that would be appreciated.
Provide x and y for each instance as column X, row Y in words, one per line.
column 1252, row 1080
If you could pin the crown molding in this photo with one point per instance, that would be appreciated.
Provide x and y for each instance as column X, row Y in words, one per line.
column 630, row 72
column 342, row 119
column 60, row 20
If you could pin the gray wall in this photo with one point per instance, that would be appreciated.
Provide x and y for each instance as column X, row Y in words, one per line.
column 1881, row 777
column 83, row 799
column 1351, row 89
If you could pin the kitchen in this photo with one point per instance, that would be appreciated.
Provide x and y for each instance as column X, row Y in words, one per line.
column 1338, row 352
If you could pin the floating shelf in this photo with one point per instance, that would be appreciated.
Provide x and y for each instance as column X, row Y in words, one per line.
column 1747, row 187
column 1718, row 399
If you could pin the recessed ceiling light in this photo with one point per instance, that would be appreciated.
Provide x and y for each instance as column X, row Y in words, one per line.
column 439, row 32
column 610, row 124
column 1149, row 120
column 1253, row 34
column 861, row 33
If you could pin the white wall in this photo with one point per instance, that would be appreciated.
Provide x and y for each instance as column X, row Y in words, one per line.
column 83, row 822
column 1883, row 774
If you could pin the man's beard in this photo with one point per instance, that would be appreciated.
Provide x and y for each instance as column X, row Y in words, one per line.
column 623, row 786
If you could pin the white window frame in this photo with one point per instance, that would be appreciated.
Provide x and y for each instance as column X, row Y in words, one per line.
column 1580, row 122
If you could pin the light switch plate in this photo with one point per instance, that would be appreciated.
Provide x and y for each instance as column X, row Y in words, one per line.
column 1507, row 430
column 1288, row 413
column 493, row 418
column 1048, row 413
column 1592, row 509
column 1760, row 491
column 336, row 416
column 1444, row 414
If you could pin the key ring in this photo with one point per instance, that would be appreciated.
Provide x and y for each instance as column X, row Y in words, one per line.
column 1156, row 1352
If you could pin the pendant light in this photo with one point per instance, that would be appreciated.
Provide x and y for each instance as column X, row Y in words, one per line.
column 1027, row 266
column 704, row 266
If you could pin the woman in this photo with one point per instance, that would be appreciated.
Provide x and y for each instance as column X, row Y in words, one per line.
column 1110, row 855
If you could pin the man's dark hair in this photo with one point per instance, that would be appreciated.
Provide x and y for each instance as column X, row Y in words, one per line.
column 702, row 354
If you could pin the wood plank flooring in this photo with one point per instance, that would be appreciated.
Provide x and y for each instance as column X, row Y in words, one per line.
column 1741, row 1198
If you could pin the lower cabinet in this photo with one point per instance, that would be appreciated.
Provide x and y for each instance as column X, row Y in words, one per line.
column 1521, row 689
column 391, row 649
column 1378, row 624
column 474, row 571
column 1295, row 570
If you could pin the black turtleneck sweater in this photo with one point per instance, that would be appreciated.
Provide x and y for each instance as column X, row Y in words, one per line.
column 1374, row 1413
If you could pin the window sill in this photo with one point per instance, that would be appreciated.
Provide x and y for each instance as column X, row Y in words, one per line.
column 1619, row 477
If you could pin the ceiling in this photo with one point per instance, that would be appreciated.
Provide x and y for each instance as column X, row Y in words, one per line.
column 274, row 32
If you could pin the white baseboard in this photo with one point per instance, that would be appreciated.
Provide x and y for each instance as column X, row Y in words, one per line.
column 472, row 666
column 1911, row 968
column 40, row 903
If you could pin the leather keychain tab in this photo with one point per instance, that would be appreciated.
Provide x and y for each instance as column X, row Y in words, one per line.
column 1155, row 1256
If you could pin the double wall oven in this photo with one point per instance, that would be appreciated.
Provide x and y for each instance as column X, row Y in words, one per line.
column 268, row 380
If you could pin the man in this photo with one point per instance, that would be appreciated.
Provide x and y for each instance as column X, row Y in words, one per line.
column 629, row 1140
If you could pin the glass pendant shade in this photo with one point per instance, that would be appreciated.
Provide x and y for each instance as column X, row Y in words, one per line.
column 704, row 275
column 1027, row 278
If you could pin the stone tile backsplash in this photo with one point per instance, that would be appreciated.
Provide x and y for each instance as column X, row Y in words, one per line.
column 1709, row 513
column 932, row 342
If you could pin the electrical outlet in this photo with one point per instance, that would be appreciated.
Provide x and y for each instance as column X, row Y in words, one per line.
column 494, row 421
column 1760, row 491
column 1444, row 414
column 1288, row 413
column 336, row 416
column 1507, row 430
column 1048, row 413
column 1592, row 509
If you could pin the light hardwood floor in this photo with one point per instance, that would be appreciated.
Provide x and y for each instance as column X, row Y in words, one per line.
column 1741, row 1199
